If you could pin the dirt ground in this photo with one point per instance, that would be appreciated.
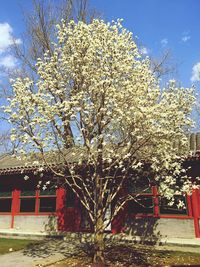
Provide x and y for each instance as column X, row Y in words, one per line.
column 138, row 256
column 74, row 253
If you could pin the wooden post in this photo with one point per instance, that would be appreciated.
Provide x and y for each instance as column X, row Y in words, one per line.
column 155, row 201
column 37, row 202
column 60, row 197
column 15, row 205
column 196, row 212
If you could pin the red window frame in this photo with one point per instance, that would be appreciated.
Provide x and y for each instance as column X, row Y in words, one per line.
column 37, row 196
column 156, row 208
column 11, row 206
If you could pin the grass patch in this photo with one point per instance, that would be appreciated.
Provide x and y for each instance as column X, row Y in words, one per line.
column 8, row 245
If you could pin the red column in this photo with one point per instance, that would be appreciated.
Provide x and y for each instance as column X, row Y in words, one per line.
column 60, row 212
column 196, row 213
column 37, row 204
column 155, row 201
column 118, row 223
column 189, row 205
column 15, row 205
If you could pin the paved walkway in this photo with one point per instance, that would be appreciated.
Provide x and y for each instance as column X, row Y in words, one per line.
column 47, row 252
column 50, row 251
column 18, row 259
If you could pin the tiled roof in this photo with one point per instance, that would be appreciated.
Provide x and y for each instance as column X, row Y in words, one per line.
column 10, row 164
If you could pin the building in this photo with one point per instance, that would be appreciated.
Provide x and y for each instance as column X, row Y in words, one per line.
column 23, row 207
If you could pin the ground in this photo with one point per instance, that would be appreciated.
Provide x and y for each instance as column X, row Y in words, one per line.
column 76, row 252
column 137, row 255
column 10, row 245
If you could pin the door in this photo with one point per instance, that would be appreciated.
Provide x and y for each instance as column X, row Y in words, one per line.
column 72, row 216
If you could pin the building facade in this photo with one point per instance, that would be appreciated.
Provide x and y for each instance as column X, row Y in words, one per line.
column 23, row 207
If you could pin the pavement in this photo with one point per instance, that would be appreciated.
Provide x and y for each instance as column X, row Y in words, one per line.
column 45, row 253
column 14, row 233
column 52, row 250
column 21, row 234
column 18, row 259
column 188, row 242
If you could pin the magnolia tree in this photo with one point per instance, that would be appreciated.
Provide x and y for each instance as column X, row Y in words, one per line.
column 96, row 99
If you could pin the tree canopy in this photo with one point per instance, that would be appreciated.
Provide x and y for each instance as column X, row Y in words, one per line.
column 96, row 94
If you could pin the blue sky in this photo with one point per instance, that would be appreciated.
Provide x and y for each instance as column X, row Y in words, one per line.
column 162, row 25
column 159, row 24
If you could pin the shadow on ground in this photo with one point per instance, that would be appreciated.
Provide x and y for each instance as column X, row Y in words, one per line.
column 117, row 249
column 52, row 246
column 117, row 252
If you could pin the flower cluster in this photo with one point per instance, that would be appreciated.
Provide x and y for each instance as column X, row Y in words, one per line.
column 96, row 93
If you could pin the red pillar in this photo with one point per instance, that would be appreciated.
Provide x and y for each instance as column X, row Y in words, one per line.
column 196, row 212
column 60, row 212
column 118, row 223
column 15, row 205
column 155, row 201
column 37, row 202
column 189, row 205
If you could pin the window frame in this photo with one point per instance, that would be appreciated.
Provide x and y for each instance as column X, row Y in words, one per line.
column 25, row 196
column 37, row 198
column 149, row 193
column 162, row 214
column 156, row 207
column 10, row 197
column 42, row 196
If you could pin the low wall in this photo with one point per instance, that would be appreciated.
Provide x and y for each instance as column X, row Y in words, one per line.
column 35, row 223
column 5, row 221
column 151, row 228
column 157, row 228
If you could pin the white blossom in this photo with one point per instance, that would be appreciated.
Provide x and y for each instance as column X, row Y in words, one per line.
column 96, row 95
column 26, row 177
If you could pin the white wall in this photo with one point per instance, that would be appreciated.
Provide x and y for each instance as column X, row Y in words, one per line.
column 160, row 228
column 5, row 221
column 31, row 223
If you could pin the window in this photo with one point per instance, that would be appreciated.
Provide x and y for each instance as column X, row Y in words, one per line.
column 28, row 193
column 27, row 201
column 5, row 201
column 35, row 201
column 47, row 204
column 47, row 200
column 143, row 204
column 48, row 192
column 70, row 199
column 5, row 204
column 4, row 194
column 27, row 205
column 142, row 191
column 140, row 186
column 165, row 208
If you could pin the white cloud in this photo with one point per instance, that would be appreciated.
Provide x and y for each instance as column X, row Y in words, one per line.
column 185, row 38
column 6, row 37
column 8, row 62
column 196, row 72
column 164, row 42
column 144, row 50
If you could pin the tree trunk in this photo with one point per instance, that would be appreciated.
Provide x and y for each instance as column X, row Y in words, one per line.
column 99, row 259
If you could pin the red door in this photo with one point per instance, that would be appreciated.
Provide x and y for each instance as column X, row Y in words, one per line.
column 72, row 217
